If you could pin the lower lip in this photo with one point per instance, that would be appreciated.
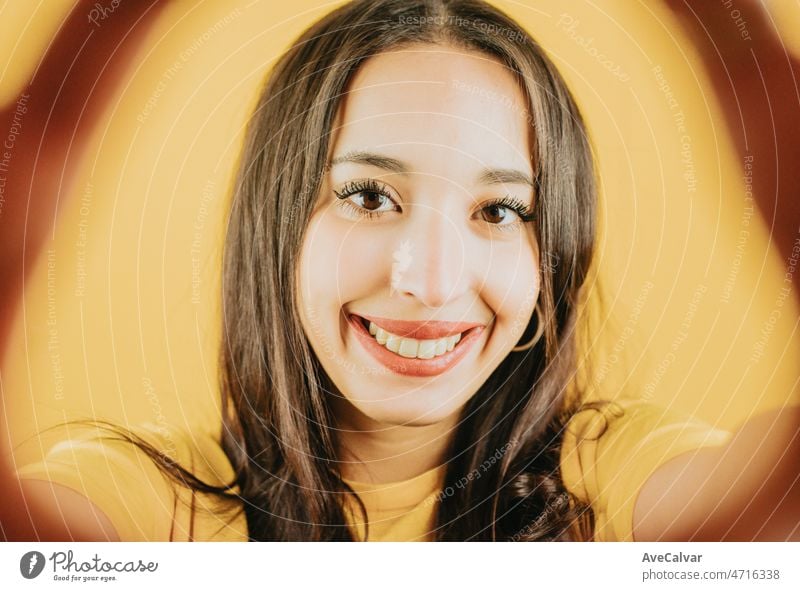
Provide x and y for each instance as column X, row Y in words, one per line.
column 414, row 367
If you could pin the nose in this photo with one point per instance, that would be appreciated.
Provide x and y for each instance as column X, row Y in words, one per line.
column 429, row 263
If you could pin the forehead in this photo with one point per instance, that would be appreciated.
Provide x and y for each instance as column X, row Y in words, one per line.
column 437, row 100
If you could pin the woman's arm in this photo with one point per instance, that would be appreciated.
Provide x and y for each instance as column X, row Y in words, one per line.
column 58, row 513
column 96, row 485
column 747, row 490
column 754, row 79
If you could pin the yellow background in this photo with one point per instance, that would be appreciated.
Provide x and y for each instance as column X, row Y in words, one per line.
column 136, row 348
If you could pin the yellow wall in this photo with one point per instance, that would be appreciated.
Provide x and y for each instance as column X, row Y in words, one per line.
column 138, row 343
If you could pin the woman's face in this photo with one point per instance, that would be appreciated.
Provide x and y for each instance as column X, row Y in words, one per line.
column 418, row 271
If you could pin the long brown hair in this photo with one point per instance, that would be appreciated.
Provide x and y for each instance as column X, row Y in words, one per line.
column 277, row 426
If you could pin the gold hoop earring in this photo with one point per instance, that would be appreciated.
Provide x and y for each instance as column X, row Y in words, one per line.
column 537, row 336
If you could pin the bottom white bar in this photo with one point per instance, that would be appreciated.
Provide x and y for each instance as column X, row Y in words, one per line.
column 417, row 567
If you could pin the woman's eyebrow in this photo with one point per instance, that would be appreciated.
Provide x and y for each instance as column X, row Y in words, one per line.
column 489, row 176
column 505, row 176
column 371, row 159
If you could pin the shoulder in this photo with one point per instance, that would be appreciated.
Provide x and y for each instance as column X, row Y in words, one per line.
column 637, row 420
column 610, row 449
column 125, row 482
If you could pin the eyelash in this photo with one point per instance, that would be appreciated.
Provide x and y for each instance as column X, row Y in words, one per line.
column 523, row 211
column 362, row 186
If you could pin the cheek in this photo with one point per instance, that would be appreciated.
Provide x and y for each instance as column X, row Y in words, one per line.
column 512, row 288
column 342, row 262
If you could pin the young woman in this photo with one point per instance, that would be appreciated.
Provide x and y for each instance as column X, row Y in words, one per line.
column 412, row 226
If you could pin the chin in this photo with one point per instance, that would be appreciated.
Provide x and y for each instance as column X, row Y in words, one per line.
column 409, row 415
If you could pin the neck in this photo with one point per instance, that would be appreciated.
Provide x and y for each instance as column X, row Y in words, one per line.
column 375, row 452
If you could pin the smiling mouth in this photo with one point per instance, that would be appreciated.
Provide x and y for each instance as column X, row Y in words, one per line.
column 411, row 348
column 410, row 356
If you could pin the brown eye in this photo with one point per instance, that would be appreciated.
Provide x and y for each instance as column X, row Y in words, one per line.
column 372, row 200
column 507, row 213
column 494, row 214
column 366, row 198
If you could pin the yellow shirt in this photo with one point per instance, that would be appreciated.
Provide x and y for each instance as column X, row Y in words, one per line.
column 398, row 511
column 607, row 471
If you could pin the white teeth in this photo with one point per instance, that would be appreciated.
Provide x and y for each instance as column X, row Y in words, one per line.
column 393, row 343
column 452, row 341
column 427, row 349
column 379, row 334
column 413, row 348
column 408, row 348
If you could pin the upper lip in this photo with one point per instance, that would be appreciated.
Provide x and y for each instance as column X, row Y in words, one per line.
column 421, row 330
